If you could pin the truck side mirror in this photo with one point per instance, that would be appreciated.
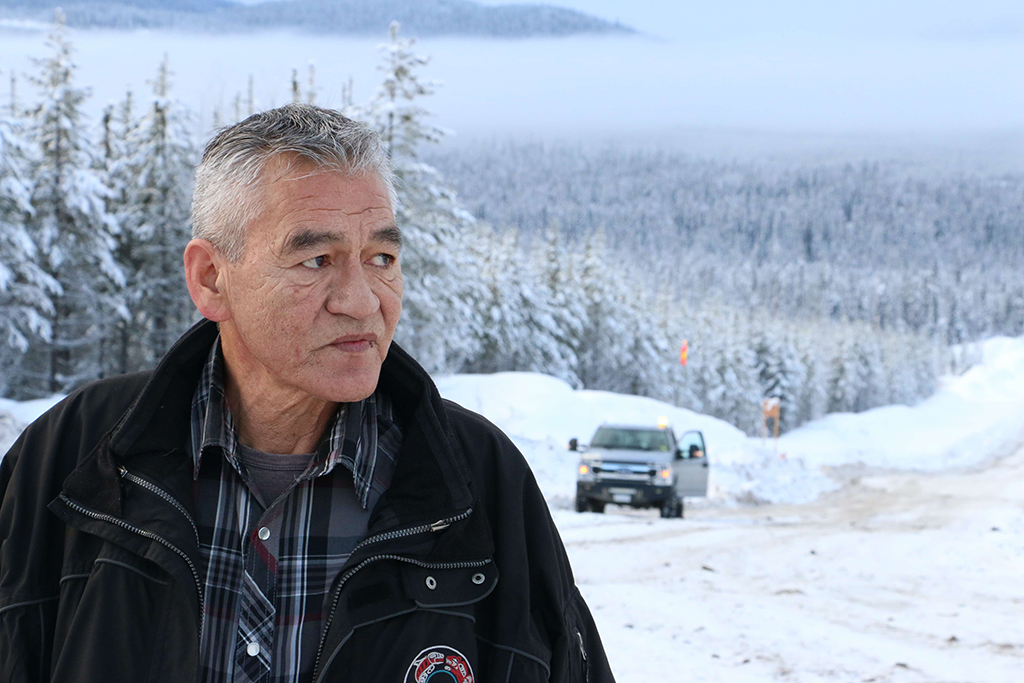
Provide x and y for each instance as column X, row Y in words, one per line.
column 574, row 445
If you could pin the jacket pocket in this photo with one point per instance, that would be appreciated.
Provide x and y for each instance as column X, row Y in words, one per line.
column 124, row 620
column 403, row 621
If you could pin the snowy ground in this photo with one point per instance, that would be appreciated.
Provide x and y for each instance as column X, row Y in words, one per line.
column 885, row 547
column 892, row 553
column 898, row 577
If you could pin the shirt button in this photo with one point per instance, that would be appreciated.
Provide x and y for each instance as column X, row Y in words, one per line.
column 264, row 534
column 252, row 649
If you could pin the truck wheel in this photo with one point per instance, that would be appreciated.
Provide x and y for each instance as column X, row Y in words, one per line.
column 582, row 504
column 672, row 507
column 597, row 506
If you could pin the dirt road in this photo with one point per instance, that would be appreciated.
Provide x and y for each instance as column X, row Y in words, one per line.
column 896, row 577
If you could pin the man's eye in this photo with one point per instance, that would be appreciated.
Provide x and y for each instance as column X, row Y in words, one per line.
column 383, row 260
column 315, row 262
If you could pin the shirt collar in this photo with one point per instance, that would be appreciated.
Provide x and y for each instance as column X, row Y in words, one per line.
column 350, row 438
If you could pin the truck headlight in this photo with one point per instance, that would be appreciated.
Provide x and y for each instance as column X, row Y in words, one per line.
column 664, row 475
column 585, row 471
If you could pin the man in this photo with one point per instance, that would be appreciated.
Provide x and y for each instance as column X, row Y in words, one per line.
column 286, row 497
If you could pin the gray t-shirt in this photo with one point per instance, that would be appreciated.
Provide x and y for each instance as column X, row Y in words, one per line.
column 270, row 474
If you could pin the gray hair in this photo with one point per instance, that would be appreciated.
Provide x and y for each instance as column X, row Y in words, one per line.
column 228, row 193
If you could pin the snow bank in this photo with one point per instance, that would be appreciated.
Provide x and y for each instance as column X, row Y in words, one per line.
column 971, row 419
column 540, row 414
column 16, row 415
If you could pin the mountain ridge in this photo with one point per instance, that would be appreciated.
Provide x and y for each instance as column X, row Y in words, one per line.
column 344, row 17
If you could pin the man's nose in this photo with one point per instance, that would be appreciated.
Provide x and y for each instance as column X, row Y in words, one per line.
column 350, row 292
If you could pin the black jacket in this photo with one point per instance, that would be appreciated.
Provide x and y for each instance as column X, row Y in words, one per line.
column 98, row 556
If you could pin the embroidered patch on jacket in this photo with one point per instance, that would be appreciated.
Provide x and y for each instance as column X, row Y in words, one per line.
column 440, row 664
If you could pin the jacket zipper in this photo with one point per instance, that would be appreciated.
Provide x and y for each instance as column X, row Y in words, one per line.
column 437, row 526
column 150, row 535
column 153, row 488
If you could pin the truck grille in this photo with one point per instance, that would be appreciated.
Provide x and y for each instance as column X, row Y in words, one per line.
column 625, row 470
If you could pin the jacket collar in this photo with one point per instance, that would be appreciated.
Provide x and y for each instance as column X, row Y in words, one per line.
column 431, row 477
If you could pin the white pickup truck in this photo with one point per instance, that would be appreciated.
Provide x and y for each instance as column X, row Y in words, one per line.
column 641, row 467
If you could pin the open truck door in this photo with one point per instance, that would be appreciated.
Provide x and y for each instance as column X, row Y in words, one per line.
column 691, row 465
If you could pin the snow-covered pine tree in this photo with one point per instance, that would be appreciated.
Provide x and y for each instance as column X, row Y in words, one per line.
column 606, row 340
column 25, row 289
column 155, row 227
column 515, row 318
column 501, row 323
column 70, row 227
column 440, row 256
column 120, row 127
column 845, row 377
column 395, row 108
column 564, row 311
column 814, row 390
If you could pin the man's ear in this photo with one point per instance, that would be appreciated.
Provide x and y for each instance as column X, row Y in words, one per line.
column 204, row 274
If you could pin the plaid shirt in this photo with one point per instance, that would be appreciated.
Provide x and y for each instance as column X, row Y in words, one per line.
column 269, row 570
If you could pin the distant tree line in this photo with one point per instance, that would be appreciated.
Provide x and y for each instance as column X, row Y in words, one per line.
column 94, row 217
column 903, row 248
column 365, row 17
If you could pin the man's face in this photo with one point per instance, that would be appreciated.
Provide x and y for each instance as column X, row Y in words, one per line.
column 316, row 296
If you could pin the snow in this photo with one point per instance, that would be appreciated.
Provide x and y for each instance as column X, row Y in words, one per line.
column 16, row 415
column 901, row 563
column 970, row 420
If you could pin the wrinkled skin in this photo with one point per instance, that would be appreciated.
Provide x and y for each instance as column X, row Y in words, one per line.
column 308, row 313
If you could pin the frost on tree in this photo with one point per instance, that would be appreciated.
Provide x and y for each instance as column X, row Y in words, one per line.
column 70, row 228
column 151, row 174
column 25, row 289
column 440, row 322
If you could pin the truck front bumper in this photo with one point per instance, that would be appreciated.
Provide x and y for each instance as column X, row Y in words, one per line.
column 632, row 493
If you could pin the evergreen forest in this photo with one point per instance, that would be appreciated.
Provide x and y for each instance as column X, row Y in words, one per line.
column 832, row 287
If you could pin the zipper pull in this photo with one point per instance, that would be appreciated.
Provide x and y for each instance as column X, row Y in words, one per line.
column 439, row 525
column 582, row 650
column 122, row 470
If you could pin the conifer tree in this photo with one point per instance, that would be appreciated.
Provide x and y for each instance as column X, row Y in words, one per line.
column 441, row 319
column 25, row 289
column 563, row 315
column 160, row 161
column 72, row 232
column 119, row 135
column 605, row 341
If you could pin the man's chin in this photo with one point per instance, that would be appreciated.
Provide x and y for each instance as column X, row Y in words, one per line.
column 349, row 385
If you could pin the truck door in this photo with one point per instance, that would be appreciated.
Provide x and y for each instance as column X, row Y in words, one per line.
column 691, row 465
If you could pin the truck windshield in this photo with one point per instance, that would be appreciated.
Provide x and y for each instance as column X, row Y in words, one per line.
column 631, row 439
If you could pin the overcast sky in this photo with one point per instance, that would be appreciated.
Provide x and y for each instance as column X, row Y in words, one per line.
column 896, row 67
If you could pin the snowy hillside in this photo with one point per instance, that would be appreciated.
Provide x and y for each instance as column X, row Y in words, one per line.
column 970, row 420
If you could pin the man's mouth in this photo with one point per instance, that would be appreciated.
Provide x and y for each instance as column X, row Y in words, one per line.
column 354, row 343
